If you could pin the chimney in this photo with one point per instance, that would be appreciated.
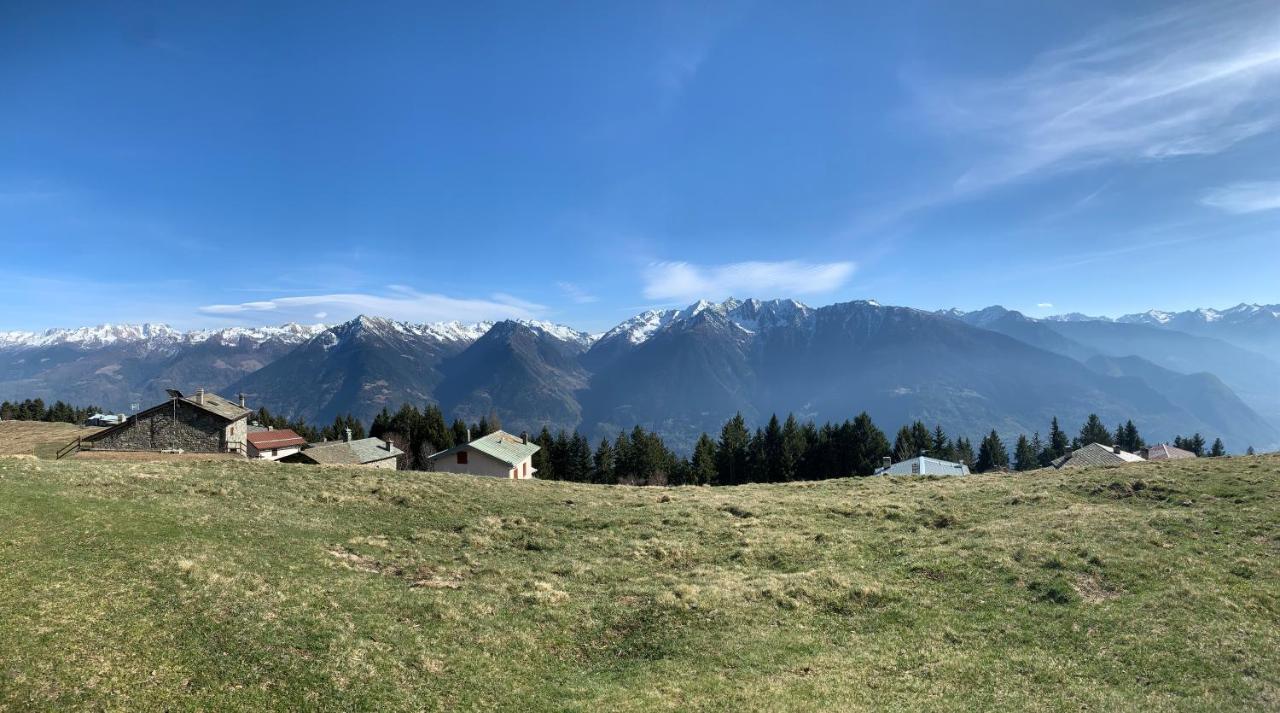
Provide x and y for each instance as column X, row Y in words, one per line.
column 270, row 428
column 468, row 435
column 242, row 399
column 388, row 446
column 200, row 396
column 886, row 461
column 347, row 434
column 1115, row 449
column 119, row 418
column 524, row 437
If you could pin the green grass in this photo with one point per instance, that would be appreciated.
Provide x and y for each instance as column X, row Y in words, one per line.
column 225, row 585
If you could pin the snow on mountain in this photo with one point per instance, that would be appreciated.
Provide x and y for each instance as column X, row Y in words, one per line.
column 639, row 328
column 561, row 332
column 92, row 337
column 456, row 331
column 291, row 333
column 1075, row 317
column 1241, row 313
column 749, row 315
column 155, row 336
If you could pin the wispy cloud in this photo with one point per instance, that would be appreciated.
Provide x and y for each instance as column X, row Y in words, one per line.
column 683, row 281
column 1244, row 197
column 400, row 302
column 576, row 293
column 1194, row 80
column 1044, row 305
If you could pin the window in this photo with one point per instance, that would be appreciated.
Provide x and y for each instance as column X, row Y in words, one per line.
column 275, row 452
column 462, row 457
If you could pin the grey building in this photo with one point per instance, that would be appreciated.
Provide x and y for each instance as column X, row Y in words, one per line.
column 923, row 465
column 200, row 423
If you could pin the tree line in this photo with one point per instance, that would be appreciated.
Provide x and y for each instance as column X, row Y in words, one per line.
column 782, row 450
column 36, row 410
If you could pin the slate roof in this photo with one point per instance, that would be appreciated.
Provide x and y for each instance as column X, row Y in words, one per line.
column 282, row 438
column 359, row 452
column 500, row 445
column 219, row 406
column 1096, row 454
column 1164, row 451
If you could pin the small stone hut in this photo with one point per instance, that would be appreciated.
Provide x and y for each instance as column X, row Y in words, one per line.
column 201, row 423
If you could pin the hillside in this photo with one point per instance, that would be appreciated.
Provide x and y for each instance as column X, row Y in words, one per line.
column 241, row 586
column 39, row 437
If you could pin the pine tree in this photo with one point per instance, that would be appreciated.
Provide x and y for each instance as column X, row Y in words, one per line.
column 581, row 466
column 1193, row 443
column 772, row 443
column 794, row 445
column 757, row 466
column 702, row 467
column 1128, row 439
column 940, row 446
column 1218, row 449
column 920, row 437
column 1038, row 447
column 992, row 453
column 731, row 453
column 1025, row 455
column 459, row 429
column 869, row 445
column 602, row 463
column 904, row 446
column 1093, row 432
column 964, row 451
column 541, row 457
column 1057, row 441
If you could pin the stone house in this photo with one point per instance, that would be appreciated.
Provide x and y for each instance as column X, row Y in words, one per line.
column 200, row 423
column 497, row 455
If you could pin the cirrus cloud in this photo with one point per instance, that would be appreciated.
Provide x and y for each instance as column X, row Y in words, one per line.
column 685, row 281
column 1190, row 80
column 1244, row 197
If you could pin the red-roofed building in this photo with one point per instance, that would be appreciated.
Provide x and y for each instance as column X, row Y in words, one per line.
column 274, row 445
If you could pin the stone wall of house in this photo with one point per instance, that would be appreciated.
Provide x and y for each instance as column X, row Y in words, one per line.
column 194, row 430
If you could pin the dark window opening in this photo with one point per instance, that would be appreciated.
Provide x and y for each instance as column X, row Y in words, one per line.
column 462, row 457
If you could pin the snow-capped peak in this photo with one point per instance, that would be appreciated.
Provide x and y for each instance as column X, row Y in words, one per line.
column 153, row 336
column 639, row 328
column 749, row 315
column 559, row 331
column 455, row 331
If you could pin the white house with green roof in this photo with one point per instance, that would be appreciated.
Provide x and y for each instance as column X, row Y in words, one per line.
column 497, row 455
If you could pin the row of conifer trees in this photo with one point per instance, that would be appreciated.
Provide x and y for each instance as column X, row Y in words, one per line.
column 782, row 450
column 37, row 410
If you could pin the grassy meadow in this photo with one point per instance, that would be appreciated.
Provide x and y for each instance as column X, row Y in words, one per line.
column 38, row 437
column 225, row 585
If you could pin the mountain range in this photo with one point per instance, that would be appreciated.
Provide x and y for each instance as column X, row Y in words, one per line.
column 684, row 371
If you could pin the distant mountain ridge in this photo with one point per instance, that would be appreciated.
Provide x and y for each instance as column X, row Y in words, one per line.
column 684, row 371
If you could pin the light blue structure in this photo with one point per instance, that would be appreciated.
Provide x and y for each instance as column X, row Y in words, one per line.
column 923, row 465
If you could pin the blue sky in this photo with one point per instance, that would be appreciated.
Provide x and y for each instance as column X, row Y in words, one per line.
column 222, row 164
